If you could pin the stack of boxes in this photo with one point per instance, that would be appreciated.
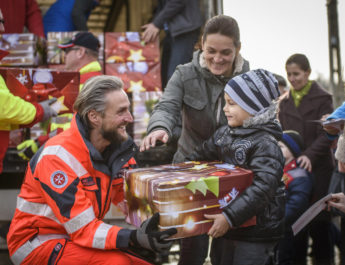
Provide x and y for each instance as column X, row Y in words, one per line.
column 24, row 49
column 124, row 55
column 138, row 65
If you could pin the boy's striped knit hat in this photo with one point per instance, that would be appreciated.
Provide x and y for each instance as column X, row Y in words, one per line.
column 253, row 90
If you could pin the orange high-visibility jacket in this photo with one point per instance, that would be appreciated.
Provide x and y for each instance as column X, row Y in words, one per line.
column 66, row 192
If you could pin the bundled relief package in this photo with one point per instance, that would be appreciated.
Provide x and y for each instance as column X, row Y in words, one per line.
column 183, row 193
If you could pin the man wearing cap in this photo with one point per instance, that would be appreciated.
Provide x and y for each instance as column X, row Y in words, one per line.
column 81, row 54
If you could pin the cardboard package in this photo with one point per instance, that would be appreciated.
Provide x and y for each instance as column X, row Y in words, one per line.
column 142, row 106
column 136, row 63
column 25, row 49
column 137, row 76
column 183, row 193
column 129, row 47
column 36, row 85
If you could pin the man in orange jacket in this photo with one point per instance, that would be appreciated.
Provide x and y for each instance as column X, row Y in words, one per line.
column 70, row 183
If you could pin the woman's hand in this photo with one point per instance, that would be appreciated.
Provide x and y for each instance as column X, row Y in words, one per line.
column 151, row 139
column 304, row 162
column 220, row 225
column 337, row 201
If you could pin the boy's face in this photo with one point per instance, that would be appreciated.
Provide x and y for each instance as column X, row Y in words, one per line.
column 286, row 152
column 234, row 113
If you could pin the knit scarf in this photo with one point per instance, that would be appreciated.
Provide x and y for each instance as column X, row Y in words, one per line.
column 298, row 95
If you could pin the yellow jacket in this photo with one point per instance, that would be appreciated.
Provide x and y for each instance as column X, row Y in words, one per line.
column 13, row 110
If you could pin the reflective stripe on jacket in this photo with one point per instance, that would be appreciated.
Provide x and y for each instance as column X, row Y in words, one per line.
column 67, row 191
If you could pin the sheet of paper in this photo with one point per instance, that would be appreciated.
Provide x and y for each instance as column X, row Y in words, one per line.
column 335, row 123
column 310, row 214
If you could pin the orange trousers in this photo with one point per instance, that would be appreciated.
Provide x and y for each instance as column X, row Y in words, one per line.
column 64, row 252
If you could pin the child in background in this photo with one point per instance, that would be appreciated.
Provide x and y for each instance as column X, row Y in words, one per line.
column 299, row 185
column 250, row 140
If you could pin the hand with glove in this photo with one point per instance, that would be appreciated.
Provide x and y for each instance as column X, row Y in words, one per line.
column 47, row 109
column 148, row 236
column 27, row 149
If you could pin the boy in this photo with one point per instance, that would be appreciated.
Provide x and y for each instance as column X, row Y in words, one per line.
column 249, row 141
column 299, row 185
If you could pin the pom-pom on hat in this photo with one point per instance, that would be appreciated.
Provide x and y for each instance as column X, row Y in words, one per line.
column 253, row 91
column 85, row 39
column 293, row 141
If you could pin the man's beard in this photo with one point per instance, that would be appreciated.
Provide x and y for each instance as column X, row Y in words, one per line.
column 113, row 136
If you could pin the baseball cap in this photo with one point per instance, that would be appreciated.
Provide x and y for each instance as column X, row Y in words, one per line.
column 84, row 39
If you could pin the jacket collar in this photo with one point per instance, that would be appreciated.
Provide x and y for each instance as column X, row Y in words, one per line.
column 113, row 158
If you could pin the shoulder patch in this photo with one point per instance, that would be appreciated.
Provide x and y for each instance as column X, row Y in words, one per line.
column 59, row 179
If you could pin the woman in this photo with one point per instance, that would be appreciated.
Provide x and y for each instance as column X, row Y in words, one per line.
column 305, row 103
column 196, row 90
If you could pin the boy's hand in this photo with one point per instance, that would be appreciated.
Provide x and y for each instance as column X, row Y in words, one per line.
column 304, row 162
column 220, row 225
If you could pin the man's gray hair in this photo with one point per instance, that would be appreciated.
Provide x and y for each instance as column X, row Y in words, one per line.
column 93, row 95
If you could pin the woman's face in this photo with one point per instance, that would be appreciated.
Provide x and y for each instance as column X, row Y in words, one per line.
column 219, row 53
column 297, row 77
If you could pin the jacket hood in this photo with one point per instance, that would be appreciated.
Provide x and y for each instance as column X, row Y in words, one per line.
column 266, row 121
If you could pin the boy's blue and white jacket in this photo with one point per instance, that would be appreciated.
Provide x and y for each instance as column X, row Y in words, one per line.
column 253, row 146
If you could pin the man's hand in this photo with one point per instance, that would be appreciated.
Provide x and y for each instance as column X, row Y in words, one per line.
column 304, row 162
column 151, row 139
column 27, row 149
column 47, row 109
column 220, row 225
column 150, row 32
column 148, row 236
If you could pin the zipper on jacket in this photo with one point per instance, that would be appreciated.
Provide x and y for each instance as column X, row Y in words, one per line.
column 219, row 109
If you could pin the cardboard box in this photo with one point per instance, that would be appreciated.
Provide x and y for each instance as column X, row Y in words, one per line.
column 142, row 106
column 183, row 193
column 129, row 47
column 137, row 76
column 36, row 85
column 24, row 49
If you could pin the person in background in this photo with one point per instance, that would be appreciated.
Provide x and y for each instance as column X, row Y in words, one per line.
column 249, row 140
column 81, row 54
column 337, row 181
column 299, row 185
column 15, row 112
column 68, row 15
column 181, row 34
column 19, row 14
column 306, row 102
column 197, row 90
column 70, row 183
column 281, row 84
